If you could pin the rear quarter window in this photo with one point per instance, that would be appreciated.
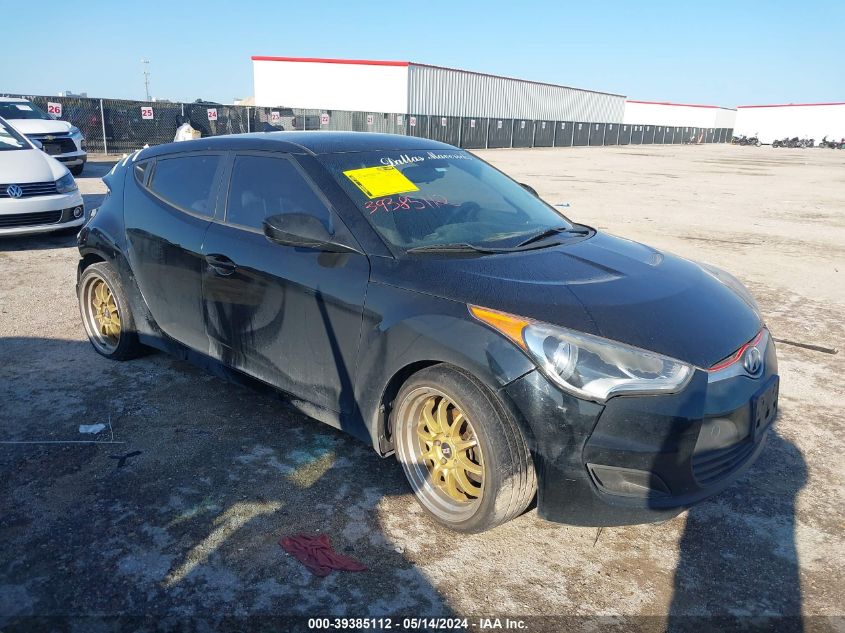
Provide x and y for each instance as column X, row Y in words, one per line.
column 140, row 171
column 186, row 182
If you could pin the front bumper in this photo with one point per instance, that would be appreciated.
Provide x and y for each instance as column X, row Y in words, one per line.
column 637, row 459
column 40, row 214
column 71, row 160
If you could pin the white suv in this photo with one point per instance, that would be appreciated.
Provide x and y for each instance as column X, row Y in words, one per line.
column 37, row 193
column 59, row 139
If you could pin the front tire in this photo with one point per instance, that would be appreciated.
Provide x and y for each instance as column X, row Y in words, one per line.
column 105, row 313
column 466, row 459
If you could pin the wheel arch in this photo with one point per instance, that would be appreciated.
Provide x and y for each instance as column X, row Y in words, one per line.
column 388, row 395
column 88, row 259
column 384, row 432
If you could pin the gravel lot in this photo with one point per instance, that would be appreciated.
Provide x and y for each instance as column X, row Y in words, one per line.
column 190, row 525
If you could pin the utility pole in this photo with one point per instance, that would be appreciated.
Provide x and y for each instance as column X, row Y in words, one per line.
column 146, row 67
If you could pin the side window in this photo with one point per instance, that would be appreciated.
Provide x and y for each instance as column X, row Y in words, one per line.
column 141, row 171
column 262, row 186
column 186, row 182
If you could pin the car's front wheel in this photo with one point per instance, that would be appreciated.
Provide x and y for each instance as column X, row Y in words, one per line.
column 467, row 461
column 105, row 313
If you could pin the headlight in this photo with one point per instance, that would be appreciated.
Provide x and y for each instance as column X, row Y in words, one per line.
column 66, row 184
column 589, row 366
column 74, row 131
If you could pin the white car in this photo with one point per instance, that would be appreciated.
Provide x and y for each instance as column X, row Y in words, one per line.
column 37, row 193
column 60, row 139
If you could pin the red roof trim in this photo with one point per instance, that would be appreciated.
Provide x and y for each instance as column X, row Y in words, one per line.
column 321, row 60
column 791, row 105
column 685, row 105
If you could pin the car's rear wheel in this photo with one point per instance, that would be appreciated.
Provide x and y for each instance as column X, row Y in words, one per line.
column 76, row 170
column 466, row 460
column 105, row 313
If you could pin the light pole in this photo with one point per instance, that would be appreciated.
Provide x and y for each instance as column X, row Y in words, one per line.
column 146, row 67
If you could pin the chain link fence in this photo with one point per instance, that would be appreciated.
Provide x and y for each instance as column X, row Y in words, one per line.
column 117, row 126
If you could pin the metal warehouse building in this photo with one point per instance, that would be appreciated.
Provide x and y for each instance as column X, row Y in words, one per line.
column 686, row 122
column 469, row 109
column 687, row 114
column 420, row 89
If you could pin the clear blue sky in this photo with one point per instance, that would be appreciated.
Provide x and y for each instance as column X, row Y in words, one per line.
column 723, row 53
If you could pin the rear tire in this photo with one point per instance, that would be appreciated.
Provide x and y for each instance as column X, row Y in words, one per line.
column 76, row 170
column 465, row 457
column 105, row 313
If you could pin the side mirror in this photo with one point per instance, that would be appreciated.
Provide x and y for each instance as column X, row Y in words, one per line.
column 530, row 189
column 304, row 231
column 38, row 144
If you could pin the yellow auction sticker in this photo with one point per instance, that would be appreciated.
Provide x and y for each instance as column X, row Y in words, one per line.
column 376, row 182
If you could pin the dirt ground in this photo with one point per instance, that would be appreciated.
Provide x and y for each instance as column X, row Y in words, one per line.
column 189, row 523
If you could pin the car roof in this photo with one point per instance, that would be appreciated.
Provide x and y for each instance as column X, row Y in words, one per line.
column 316, row 142
column 13, row 99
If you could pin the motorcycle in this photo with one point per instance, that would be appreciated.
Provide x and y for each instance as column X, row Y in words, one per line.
column 794, row 142
column 750, row 140
column 831, row 144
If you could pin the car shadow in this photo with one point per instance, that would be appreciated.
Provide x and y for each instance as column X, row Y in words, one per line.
column 39, row 241
column 741, row 544
column 97, row 168
column 188, row 523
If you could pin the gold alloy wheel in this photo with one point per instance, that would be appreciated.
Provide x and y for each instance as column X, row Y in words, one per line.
column 449, row 449
column 105, row 310
column 101, row 315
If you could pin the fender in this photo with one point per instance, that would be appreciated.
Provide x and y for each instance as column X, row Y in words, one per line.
column 404, row 331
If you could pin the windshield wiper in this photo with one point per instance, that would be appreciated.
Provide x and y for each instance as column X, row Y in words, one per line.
column 464, row 247
column 455, row 247
column 549, row 232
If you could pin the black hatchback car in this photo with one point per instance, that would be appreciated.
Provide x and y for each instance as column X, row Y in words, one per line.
column 411, row 294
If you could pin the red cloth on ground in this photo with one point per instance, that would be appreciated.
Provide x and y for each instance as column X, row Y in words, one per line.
column 316, row 553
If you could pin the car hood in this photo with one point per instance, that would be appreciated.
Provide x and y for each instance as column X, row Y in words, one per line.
column 604, row 285
column 28, row 165
column 40, row 126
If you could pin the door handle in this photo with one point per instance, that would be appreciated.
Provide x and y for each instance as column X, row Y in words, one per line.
column 221, row 264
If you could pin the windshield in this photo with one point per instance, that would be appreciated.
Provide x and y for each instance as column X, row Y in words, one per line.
column 11, row 138
column 425, row 198
column 22, row 110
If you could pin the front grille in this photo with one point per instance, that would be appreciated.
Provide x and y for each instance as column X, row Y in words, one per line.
column 59, row 144
column 31, row 189
column 29, row 219
column 711, row 466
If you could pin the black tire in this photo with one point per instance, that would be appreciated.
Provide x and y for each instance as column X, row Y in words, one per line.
column 509, row 479
column 125, row 345
column 76, row 170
